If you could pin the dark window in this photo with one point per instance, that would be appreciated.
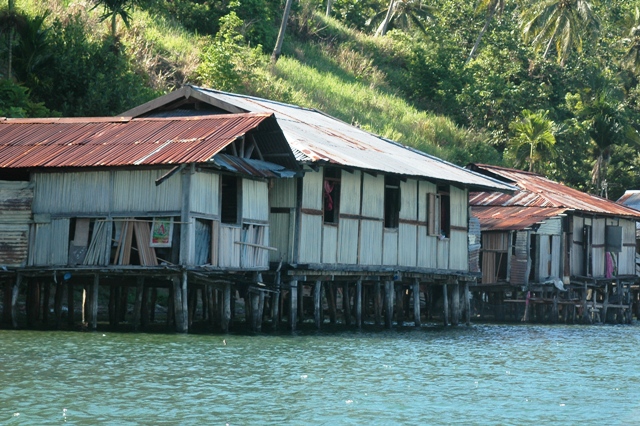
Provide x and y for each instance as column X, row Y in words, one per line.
column 391, row 202
column 230, row 199
column 445, row 211
column 331, row 195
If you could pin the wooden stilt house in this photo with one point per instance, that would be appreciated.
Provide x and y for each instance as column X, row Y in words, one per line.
column 550, row 252
column 144, row 203
column 373, row 230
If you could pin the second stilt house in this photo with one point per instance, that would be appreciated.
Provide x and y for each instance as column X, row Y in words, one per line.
column 553, row 253
column 372, row 230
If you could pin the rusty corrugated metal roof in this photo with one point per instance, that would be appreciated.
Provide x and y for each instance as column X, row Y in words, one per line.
column 537, row 198
column 317, row 137
column 91, row 142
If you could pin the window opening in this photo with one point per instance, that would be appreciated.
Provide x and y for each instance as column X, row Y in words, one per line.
column 331, row 195
column 433, row 214
column 230, row 199
column 391, row 202
column 586, row 248
column 445, row 211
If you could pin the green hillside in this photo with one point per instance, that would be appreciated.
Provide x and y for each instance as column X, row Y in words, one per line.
column 552, row 86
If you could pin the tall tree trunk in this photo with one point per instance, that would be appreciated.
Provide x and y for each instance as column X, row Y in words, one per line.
column 382, row 29
column 329, row 5
column 490, row 14
column 283, row 26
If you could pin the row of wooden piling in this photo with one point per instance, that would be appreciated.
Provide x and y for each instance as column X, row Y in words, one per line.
column 209, row 302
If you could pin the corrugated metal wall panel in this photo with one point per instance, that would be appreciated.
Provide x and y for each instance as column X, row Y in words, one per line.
column 459, row 201
column 520, row 260
column 390, row 249
column 329, row 244
column 577, row 255
column 205, row 193
column 598, row 247
column 229, row 251
column 312, row 190
column 443, row 253
column 459, row 251
column 16, row 199
column 255, row 200
column 409, row 200
column 544, row 257
column 350, row 192
column 283, row 193
column 550, row 227
column 280, row 237
column 136, row 190
column 51, row 247
column 627, row 258
column 407, row 244
column 427, row 249
column 348, row 241
column 370, row 242
column 310, row 239
column 556, row 255
column 83, row 192
column 251, row 256
column 373, row 196
column 14, row 244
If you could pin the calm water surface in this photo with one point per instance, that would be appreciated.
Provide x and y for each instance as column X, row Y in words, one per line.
column 484, row 374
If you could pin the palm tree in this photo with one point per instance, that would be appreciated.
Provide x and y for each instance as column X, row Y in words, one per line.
column 534, row 139
column 559, row 22
column 405, row 14
column 631, row 59
column 114, row 8
column 491, row 8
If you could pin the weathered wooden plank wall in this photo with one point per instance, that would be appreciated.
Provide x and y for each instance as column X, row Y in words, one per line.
column 16, row 199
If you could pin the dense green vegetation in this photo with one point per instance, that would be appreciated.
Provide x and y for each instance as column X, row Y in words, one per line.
column 545, row 85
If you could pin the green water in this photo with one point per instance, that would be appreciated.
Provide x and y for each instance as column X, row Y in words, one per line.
column 484, row 374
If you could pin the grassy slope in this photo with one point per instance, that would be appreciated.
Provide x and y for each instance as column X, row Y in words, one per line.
column 351, row 77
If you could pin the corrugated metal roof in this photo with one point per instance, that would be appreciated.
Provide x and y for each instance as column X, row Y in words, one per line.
column 251, row 166
column 316, row 137
column 537, row 197
column 498, row 218
column 91, row 142
column 631, row 198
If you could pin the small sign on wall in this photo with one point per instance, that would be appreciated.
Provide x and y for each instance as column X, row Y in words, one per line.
column 161, row 232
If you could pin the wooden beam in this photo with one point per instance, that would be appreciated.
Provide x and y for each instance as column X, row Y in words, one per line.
column 93, row 304
column 359, row 303
column 225, row 319
column 416, row 303
column 445, row 301
column 455, row 304
column 137, row 305
column 14, row 300
column 317, row 303
column 293, row 305
column 388, row 303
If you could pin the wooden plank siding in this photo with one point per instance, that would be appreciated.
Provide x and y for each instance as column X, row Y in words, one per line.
column 16, row 199
column 205, row 194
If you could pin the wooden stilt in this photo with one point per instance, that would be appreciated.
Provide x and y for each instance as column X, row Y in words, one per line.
column 70, row 306
column 7, row 289
column 399, row 288
column 93, row 304
column 192, row 304
column 261, row 298
column 137, row 305
column 225, row 320
column 317, row 303
column 416, row 303
column 255, row 309
column 112, row 305
column 85, row 308
column 377, row 302
column 57, row 309
column 359, row 303
column 467, row 304
column 331, row 301
column 275, row 303
column 211, row 305
column 14, row 300
column 346, row 304
column 388, row 304
column 300, row 302
column 180, row 303
column 455, row 303
column 33, row 302
column 293, row 305
column 45, row 302
column 445, row 301
column 170, row 307
column 144, row 307
column 152, row 304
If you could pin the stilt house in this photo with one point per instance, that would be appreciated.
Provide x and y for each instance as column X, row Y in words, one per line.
column 164, row 199
column 366, row 211
column 551, row 252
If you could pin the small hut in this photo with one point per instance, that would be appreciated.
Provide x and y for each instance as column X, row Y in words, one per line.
column 373, row 230
column 550, row 252
column 145, row 203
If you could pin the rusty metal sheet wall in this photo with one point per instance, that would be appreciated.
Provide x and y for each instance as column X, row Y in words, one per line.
column 16, row 199
column 14, row 244
column 520, row 260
